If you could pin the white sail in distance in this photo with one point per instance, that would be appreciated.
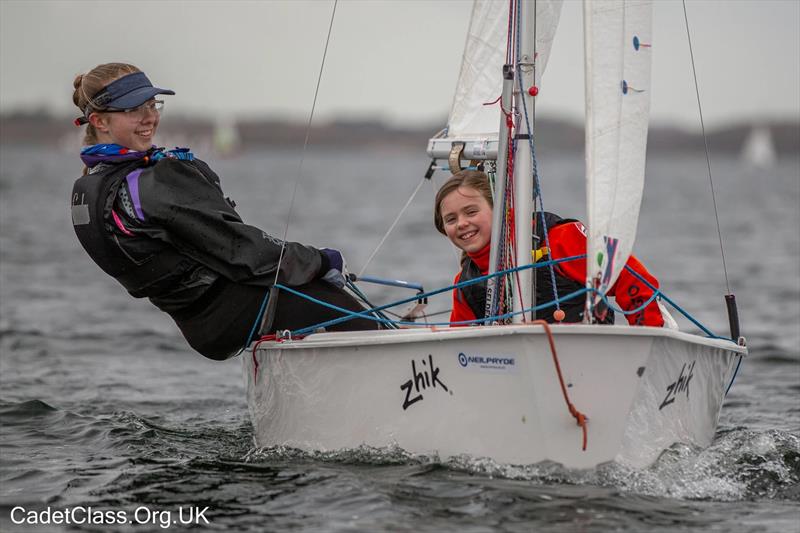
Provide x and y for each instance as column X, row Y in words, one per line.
column 759, row 150
column 618, row 38
column 480, row 79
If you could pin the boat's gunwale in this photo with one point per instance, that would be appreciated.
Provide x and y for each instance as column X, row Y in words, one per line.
column 399, row 336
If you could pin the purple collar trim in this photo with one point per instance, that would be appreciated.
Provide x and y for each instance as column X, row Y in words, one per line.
column 114, row 153
column 109, row 153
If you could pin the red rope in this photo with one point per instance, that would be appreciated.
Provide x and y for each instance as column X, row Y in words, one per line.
column 579, row 417
column 266, row 338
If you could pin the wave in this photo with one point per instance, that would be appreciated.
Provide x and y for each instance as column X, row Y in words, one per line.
column 56, row 455
column 774, row 354
column 740, row 465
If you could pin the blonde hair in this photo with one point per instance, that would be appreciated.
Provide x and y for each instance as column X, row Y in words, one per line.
column 473, row 179
column 88, row 85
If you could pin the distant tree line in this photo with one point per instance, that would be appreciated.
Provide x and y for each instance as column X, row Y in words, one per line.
column 41, row 127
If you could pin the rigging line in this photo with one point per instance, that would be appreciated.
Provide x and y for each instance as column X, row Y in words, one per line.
column 537, row 194
column 467, row 283
column 537, row 190
column 391, row 228
column 305, row 143
column 354, row 288
column 512, row 10
column 705, row 143
column 535, row 60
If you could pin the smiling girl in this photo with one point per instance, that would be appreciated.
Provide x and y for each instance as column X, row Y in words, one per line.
column 158, row 222
column 463, row 213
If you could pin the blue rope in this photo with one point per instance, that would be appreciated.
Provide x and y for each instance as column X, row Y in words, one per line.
column 735, row 372
column 368, row 314
column 353, row 287
column 695, row 322
column 255, row 323
column 375, row 315
column 676, row 306
column 533, row 309
column 472, row 167
column 354, row 314
column 656, row 293
column 617, row 309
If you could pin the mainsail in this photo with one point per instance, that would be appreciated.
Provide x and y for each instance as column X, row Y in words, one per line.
column 617, row 44
column 480, row 79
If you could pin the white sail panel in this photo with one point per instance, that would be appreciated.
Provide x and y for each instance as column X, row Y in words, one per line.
column 548, row 13
column 617, row 61
column 480, row 80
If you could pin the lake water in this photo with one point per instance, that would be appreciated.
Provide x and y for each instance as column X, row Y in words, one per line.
column 104, row 406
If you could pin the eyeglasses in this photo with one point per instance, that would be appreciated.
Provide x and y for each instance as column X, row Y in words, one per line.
column 140, row 112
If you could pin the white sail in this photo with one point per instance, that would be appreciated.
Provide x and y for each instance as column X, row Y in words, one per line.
column 617, row 37
column 226, row 137
column 758, row 150
column 480, row 79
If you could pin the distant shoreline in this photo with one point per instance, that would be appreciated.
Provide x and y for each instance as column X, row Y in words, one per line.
column 41, row 128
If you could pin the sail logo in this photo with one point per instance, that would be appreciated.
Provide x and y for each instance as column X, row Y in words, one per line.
column 488, row 363
column 424, row 377
column 609, row 258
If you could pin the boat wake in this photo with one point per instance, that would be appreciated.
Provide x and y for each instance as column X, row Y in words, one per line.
column 740, row 465
column 364, row 455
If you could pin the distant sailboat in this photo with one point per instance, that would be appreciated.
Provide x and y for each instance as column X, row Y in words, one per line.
column 226, row 137
column 758, row 150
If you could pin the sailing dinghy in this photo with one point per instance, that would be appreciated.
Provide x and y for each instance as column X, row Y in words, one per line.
column 511, row 389
column 758, row 150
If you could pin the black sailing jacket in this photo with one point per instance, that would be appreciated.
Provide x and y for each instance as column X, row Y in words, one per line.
column 165, row 231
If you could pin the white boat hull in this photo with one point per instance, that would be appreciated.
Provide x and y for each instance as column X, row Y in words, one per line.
column 492, row 392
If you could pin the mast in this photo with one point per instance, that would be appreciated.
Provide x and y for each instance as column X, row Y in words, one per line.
column 589, row 148
column 472, row 131
column 498, row 212
column 523, row 177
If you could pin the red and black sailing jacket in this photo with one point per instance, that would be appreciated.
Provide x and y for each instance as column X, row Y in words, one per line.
column 567, row 238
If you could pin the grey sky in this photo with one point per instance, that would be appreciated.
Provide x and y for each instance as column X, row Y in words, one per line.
column 396, row 60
